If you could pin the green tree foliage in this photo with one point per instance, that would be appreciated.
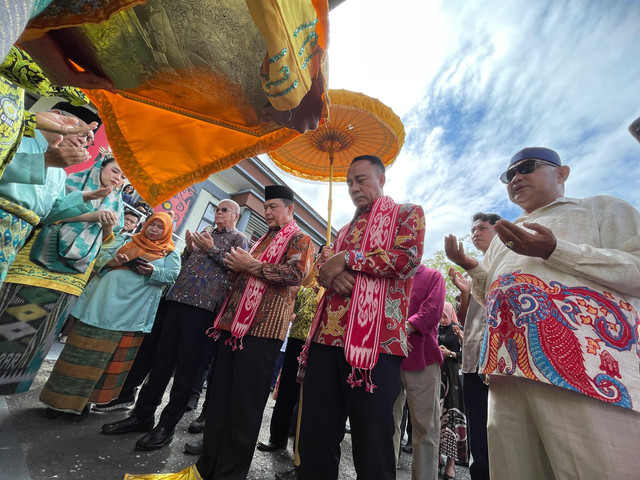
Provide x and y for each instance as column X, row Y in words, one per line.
column 440, row 262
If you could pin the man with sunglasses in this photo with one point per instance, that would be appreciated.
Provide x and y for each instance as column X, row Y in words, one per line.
column 189, row 307
column 561, row 286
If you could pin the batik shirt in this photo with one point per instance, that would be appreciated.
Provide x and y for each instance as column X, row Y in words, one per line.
column 570, row 320
column 283, row 282
column 304, row 308
column 204, row 279
column 398, row 265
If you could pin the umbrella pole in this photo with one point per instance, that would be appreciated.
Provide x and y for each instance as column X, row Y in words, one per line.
column 330, row 198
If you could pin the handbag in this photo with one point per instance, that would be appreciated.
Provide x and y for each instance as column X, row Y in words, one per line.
column 67, row 247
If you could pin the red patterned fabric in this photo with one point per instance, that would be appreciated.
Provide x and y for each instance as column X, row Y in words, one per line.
column 255, row 288
column 369, row 258
column 367, row 299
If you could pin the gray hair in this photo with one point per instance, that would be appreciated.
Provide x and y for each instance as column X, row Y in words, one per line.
column 236, row 207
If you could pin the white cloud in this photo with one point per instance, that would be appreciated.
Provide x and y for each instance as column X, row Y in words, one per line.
column 476, row 81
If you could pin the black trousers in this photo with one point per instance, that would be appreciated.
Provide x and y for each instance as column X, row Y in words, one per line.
column 146, row 355
column 182, row 343
column 205, row 367
column 288, row 393
column 476, row 395
column 329, row 399
column 238, row 394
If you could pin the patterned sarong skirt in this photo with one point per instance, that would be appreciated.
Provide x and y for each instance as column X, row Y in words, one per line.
column 92, row 367
column 30, row 318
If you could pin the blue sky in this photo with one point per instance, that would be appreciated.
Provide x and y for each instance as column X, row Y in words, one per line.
column 476, row 81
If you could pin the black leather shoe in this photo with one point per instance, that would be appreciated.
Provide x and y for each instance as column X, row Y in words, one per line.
column 131, row 424
column 197, row 426
column 75, row 418
column 155, row 439
column 194, row 448
column 270, row 447
column 288, row 475
column 50, row 413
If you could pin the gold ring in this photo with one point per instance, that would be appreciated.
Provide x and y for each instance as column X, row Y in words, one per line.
column 509, row 244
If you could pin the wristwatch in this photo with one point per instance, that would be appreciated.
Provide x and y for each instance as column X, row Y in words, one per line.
column 450, row 354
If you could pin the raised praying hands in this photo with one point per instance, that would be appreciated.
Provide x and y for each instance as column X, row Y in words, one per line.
column 108, row 220
column 188, row 238
column 203, row 240
column 459, row 281
column 62, row 157
column 458, row 332
column 455, row 252
column 107, row 217
column 97, row 194
column 64, row 125
column 539, row 243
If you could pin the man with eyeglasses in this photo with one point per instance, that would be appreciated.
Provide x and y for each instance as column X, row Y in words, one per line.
column 562, row 294
column 189, row 310
column 251, row 328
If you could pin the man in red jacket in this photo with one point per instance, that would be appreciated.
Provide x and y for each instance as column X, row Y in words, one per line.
column 420, row 372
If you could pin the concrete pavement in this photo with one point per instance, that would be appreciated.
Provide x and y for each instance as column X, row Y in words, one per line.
column 34, row 448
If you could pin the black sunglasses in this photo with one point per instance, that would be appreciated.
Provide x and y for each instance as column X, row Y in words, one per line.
column 523, row 168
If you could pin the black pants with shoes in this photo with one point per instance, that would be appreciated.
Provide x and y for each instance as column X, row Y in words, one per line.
column 476, row 395
column 329, row 400
column 143, row 362
column 288, row 394
column 182, row 343
column 237, row 395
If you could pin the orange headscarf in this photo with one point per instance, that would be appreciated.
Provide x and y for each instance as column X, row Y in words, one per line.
column 141, row 246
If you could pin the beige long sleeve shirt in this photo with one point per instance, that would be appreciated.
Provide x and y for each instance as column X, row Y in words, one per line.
column 570, row 320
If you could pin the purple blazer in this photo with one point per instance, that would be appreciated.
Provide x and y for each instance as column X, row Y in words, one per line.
column 425, row 310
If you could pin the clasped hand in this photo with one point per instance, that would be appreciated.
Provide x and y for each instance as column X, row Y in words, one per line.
column 238, row 260
column 334, row 274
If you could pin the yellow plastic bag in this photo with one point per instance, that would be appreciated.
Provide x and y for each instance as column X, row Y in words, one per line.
column 189, row 473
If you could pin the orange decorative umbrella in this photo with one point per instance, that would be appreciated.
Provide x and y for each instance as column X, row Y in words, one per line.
column 357, row 125
column 190, row 78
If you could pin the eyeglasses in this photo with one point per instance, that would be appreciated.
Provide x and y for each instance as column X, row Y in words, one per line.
column 88, row 139
column 223, row 210
column 523, row 168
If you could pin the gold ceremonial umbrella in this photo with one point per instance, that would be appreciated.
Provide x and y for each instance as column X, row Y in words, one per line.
column 357, row 125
